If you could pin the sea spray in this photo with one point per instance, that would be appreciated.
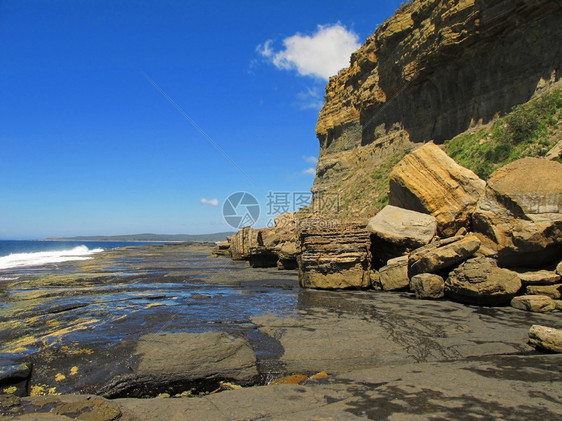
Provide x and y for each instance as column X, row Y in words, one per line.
column 19, row 260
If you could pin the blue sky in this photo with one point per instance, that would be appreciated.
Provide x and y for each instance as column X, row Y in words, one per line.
column 122, row 117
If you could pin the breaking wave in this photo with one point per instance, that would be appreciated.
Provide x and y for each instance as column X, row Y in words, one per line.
column 19, row 260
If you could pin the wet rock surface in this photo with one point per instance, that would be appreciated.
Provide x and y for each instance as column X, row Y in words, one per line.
column 176, row 362
column 384, row 353
column 80, row 323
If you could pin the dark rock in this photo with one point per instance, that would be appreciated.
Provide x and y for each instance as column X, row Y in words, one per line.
column 262, row 257
column 14, row 379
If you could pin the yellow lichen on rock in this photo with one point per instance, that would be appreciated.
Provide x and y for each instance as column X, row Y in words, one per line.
column 294, row 379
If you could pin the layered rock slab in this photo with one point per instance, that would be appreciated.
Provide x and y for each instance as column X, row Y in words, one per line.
column 442, row 254
column 427, row 180
column 552, row 291
column 536, row 303
column 334, row 256
column 242, row 242
column 521, row 212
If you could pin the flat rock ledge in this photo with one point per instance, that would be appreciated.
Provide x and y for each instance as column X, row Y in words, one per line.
column 172, row 361
column 502, row 387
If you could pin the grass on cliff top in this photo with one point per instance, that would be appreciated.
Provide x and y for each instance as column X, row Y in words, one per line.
column 530, row 129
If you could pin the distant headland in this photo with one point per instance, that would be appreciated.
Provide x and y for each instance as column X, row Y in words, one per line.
column 219, row 236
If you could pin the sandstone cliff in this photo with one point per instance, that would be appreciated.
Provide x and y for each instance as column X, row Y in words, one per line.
column 432, row 71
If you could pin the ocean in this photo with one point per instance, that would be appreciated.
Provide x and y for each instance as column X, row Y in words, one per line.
column 25, row 254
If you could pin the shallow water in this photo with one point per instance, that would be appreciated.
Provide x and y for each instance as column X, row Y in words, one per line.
column 90, row 312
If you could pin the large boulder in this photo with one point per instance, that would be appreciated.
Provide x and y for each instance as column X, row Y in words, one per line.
column 546, row 338
column 480, row 281
column 535, row 303
column 169, row 360
column 521, row 212
column 427, row 286
column 396, row 231
column 393, row 276
column 334, row 255
column 442, row 254
column 427, row 180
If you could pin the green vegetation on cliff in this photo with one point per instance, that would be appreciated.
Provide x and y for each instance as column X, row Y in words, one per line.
column 368, row 185
column 530, row 129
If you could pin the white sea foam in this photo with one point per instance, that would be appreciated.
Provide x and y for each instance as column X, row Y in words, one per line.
column 19, row 260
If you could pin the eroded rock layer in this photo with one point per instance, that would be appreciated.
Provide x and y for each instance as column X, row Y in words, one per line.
column 334, row 256
column 429, row 73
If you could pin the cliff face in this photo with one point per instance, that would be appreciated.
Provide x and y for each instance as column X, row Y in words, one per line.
column 432, row 71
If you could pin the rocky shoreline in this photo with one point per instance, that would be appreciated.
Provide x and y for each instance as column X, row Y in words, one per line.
column 351, row 353
column 379, row 354
column 432, row 293
column 445, row 233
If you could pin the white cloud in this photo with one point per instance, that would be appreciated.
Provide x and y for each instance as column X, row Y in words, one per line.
column 311, row 99
column 265, row 48
column 209, row 202
column 320, row 55
column 309, row 171
column 310, row 159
